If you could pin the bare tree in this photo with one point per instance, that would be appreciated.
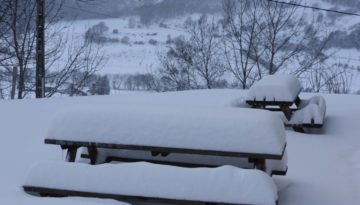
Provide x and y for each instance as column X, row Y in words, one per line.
column 82, row 60
column 204, row 38
column 287, row 37
column 17, row 49
column 177, row 66
column 241, row 36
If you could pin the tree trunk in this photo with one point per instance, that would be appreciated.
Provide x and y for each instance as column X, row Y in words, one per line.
column 13, row 82
column 40, row 49
column 21, row 86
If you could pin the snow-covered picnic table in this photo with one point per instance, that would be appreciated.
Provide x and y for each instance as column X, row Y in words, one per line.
column 229, row 132
column 275, row 90
column 279, row 93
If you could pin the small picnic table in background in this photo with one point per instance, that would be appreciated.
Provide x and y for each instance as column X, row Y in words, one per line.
column 281, row 93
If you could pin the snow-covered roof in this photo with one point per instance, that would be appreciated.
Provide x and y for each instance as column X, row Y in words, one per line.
column 279, row 87
column 227, row 129
column 158, row 181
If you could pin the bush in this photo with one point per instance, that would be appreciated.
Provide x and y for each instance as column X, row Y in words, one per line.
column 152, row 34
column 163, row 25
column 101, row 86
column 96, row 33
column 125, row 40
column 139, row 43
column 153, row 42
column 115, row 31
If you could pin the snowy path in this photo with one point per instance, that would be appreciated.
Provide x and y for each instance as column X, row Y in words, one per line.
column 324, row 168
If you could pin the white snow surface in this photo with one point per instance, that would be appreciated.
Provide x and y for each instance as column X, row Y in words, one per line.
column 312, row 109
column 158, row 181
column 324, row 165
column 278, row 87
column 226, row 129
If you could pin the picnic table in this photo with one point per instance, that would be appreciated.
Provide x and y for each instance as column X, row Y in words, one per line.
column 281, row 93
column 254, row 135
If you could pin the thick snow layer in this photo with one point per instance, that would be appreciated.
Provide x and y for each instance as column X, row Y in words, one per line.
column 324, row 166
column 310, row 110
column 225, row 129
column 279, row 87
column 159, row 181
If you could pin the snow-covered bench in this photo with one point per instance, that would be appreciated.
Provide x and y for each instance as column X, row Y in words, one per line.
column 153, row 183
column 255, row 135
column 283, row 92
column 311, row 113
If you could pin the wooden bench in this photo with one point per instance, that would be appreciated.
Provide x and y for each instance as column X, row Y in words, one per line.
column 255, row 135
column 145, row 182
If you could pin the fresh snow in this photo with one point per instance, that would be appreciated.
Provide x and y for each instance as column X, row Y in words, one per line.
column 158, row 181
column 279, row 87
column 226, row 129
column 324, row 166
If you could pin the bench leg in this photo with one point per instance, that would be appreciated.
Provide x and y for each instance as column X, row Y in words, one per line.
column 287, row 112
column 297, row 101
column 260, row 164
column 92, row 154
column 71, row 154
column 298, row 129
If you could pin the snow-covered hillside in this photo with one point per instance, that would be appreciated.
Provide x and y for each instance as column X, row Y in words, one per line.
column 324, row 167
column 140, row 52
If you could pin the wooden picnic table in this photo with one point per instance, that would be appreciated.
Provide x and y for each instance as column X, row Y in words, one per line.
column 281, row 93
column 227, row 132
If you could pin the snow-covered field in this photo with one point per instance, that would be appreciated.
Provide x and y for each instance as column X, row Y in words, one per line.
column 324, row 167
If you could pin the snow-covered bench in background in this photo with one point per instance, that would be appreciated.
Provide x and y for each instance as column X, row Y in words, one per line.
column 153, row 183
column 255, row 135
column 279, row 93
column 311, row 113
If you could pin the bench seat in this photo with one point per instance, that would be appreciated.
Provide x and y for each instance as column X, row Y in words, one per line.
column 153, row 183
column 310, row 113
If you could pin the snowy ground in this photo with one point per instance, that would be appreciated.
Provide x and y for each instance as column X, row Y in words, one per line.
column 324, row 167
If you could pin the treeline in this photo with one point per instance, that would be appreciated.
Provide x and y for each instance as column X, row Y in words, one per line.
column 147, row 10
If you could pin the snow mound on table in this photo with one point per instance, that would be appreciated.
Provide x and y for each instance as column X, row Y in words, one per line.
column 278, row 87
column 225, row 184
column 224, row 129
column 310, row 110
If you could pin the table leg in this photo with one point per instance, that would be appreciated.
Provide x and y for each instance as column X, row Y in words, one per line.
column 92, row 154
column 287, row 111
column 297, row 101
column 71, row 153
